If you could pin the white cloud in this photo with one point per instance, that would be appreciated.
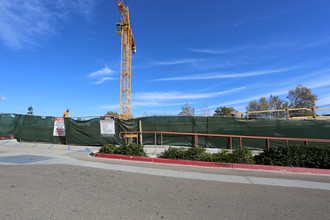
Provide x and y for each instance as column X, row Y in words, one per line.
column 227, row 75
column 176, row 62
column 162, row 112
column 323, row 101
column 154, row 104
column 318, row 83
column 101, row 75
column 180, row 95
column 111, row 107
column 103, row 80
column 213, row 51
column 24, row 23
column 257, row 19
column 101, row 72
column 315, row 84
column 143, row 104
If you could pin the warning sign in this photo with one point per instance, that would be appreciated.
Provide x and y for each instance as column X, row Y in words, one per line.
column 59, row 128
column 107, row 126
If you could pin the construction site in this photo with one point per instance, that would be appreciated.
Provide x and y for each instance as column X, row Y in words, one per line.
column 174, row 109
column 243, row 130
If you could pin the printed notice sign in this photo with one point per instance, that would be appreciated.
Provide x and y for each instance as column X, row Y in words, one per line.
column 59, row 128
column 107, row 126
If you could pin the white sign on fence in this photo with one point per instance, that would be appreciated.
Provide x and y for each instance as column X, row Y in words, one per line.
column 107, row 126
column 59, row 128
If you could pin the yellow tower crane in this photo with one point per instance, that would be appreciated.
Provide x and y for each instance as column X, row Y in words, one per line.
column 127, row 48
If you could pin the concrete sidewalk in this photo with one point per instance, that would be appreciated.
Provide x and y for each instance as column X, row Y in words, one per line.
column 57, row 148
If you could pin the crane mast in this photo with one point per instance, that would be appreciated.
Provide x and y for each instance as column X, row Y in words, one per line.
column 127, row 48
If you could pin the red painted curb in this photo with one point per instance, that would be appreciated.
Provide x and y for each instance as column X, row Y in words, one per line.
column 215, row 164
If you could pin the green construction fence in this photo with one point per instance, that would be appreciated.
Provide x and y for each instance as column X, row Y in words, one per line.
column 87, row 132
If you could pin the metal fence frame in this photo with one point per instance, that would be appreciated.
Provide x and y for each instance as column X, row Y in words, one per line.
column 135, row 134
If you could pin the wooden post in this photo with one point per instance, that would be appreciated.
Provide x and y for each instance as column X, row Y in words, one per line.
column 161, row 139
column 155, row 141
column 247, row 114
column 287, row 113
column 196, row 141
column 130, row 140
column 140, row 126
column 267, row 143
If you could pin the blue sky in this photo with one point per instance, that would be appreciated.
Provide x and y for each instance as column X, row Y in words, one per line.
column 59, row 54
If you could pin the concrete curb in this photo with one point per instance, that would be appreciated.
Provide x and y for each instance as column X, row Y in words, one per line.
column 215, row 164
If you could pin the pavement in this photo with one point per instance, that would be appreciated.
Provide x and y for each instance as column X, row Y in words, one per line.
column 18, row 153
column 50, row 181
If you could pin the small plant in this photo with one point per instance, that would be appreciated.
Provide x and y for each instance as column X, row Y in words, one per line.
column 124, row 149
column 108, row 149
column 223, row 157
column 131, row 150
column 241, row 156
column 194, row 153
column 173, row 153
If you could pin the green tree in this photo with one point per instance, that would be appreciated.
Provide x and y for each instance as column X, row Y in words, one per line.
column 302, row 97
column 260, row 105
column 224, row 111
column 276, row 103
column 30, row 110
column 111, row 113
column 186, row 110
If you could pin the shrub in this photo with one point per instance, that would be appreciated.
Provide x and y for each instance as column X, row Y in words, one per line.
column 222, row 157
column 241, row 156
column 200, row 154
column 296, row 156
column 194, row 153
column 124, row 149
column 173, row 153
column 131, row 150
column 108, row 149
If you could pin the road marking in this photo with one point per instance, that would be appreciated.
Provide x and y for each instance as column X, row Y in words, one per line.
column 50, row 146
column 4, row 143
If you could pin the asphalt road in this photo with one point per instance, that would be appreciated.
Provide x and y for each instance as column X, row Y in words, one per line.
column 66, row 183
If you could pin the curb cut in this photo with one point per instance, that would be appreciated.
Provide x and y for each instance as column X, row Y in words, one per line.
column 216, row 164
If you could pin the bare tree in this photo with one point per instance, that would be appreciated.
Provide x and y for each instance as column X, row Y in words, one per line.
column 204, row 111
column 186, row 110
